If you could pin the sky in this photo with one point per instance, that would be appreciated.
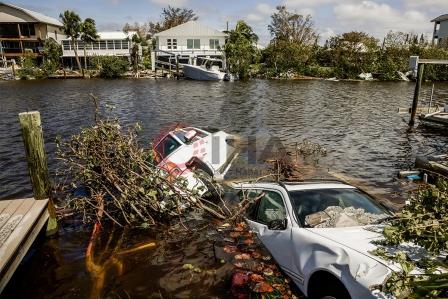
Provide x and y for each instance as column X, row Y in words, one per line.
column 376, row 17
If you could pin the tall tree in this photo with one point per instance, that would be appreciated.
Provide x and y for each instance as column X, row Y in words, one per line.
column 353, row 52
column 288, row 26
column 88, row 35
column 171, row 17
column 293, row 41
column 72, row 26
column 240, row 49
column 141, row 29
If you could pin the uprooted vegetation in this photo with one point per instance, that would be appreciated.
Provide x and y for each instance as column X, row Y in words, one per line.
column 422, row 222
column 113, row 177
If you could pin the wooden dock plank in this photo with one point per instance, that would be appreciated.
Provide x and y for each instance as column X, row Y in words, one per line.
column 10, row 209
column 14, row 220
column 22, row 228
column 4, row 204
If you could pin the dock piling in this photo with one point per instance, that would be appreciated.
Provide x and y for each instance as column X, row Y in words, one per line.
column 418, row 84
column 33, row 141
column 177, row 66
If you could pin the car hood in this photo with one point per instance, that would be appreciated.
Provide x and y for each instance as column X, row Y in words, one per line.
column 357, row 238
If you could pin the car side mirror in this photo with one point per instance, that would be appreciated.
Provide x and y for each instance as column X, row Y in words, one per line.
column 278, row 224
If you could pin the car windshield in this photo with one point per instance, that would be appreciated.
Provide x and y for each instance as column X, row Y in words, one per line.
column 336, row 208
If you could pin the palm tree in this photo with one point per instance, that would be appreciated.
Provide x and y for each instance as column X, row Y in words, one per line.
column 72, row 25
column 88, row 35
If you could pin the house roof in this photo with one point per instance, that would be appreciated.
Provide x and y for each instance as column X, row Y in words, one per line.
column 190, row 29
column 35, row 16
column 114, row 35
column 440, row 18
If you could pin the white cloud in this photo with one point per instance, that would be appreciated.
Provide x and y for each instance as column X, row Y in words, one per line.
column 175, row 3
column 325, row 34
column 264, row 9
column 301, row 3
column 255, row 18
column 439, row 4
column 261, row 13
column 378, row 19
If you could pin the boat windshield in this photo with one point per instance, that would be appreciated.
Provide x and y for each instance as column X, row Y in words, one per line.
column 166, row 147
column 181, row 134
column 336, row 208
column 213, row 63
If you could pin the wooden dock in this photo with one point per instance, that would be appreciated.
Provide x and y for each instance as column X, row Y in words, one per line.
column 21, row 220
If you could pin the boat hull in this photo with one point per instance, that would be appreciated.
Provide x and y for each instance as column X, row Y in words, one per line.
column 198, row 73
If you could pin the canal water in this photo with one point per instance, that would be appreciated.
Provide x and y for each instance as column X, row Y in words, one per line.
column 357, row 122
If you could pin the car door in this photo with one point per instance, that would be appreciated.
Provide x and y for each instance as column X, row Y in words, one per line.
column 269, row 206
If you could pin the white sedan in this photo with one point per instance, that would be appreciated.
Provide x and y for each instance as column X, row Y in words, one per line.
column 316, row 231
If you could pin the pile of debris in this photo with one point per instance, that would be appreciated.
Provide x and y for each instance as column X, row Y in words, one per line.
column 335, row 216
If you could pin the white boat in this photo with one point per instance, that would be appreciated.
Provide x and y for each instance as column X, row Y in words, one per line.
column 189, row 152
column 209, row 70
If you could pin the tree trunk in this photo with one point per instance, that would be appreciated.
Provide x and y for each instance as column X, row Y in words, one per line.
column 75, row 48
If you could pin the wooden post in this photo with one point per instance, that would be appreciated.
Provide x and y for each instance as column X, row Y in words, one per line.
column 418, row 84
column 177, row 66
column 33, row 140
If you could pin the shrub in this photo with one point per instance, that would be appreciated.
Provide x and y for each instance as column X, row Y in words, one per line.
column 28, row 68
column 111, row 66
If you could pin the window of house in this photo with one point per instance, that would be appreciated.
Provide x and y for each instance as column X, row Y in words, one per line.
column 125, row 44
column 66, row 45
column 171, row 43
column 193, row 43
column 9, row 30
column 27, row 29
column 95, row 45
column 110, row 44
column 103, row 45
column 117, row 44
column 81, row 45
column 214, row 43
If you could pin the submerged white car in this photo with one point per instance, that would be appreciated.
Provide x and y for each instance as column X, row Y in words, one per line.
column 192, row 153
column 316, row 231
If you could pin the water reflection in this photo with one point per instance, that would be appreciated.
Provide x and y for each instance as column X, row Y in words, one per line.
column 356, row 121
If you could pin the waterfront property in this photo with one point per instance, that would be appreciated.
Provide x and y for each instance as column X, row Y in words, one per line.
column 115, row 43
column 23, row 31
column 440, row 34
column 189, row 42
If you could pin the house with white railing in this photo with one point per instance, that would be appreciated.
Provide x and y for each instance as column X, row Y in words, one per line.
column 189, row 42
column 116, row 43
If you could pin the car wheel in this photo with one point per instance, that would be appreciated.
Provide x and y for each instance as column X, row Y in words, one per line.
column 329, row 287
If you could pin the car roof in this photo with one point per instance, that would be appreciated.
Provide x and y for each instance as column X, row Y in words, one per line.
column 316, row 186
column 297, row 186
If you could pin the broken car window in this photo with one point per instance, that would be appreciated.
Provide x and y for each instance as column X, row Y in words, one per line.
column 335, row 208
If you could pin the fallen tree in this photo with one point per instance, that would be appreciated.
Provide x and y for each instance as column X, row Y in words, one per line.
column 423, row 223
column 112, row 176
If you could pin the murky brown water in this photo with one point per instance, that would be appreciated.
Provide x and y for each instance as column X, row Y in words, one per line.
column 356, row 121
